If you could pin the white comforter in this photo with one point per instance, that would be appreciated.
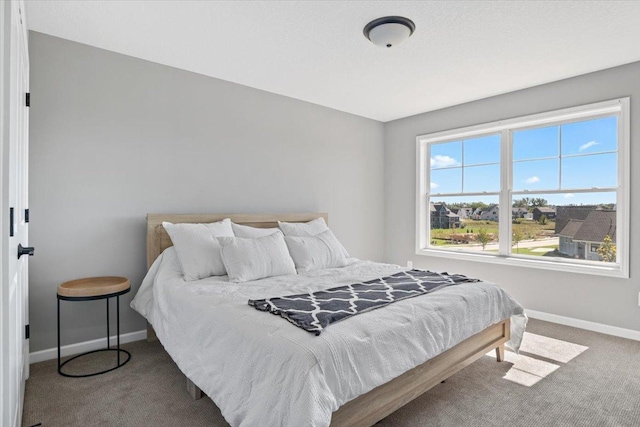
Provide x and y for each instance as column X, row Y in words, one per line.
column 262, row 370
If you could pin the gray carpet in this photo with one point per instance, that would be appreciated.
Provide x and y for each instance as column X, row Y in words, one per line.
column 563, row 377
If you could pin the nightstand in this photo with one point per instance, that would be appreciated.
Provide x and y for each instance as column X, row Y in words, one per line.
column 89, row 289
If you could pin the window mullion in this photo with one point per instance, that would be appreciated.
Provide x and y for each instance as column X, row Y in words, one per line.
column 560, row 157
column 462, row 170
column 504, row 225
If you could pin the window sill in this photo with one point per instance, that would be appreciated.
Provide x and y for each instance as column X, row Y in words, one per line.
column 554, row 265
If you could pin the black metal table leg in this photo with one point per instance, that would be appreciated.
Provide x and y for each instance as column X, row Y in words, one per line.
column 108, row 336
column 58, row 334
column 118, row 325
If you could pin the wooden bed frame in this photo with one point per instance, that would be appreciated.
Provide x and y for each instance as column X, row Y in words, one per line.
column 371, row 407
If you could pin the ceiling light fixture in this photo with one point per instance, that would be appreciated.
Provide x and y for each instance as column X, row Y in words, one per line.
column 389, row 31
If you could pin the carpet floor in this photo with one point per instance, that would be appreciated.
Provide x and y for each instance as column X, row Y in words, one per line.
column 563, row 377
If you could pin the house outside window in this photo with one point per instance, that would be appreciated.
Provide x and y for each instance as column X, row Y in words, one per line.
column 564, row 176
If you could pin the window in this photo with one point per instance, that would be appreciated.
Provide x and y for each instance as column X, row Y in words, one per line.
column 563, row 177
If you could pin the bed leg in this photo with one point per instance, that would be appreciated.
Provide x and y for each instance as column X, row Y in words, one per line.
column 500, row 353
column 193, row 390
column 151, row 334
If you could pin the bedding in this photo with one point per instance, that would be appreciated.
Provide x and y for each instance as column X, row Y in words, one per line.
column 261, row 370
column 316, row 252
column 314, row 311
column 251, row 232
column 311, row 228
column 197, row 247
column 253, row 259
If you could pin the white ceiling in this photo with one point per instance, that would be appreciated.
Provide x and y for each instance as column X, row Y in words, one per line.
column 315, row 50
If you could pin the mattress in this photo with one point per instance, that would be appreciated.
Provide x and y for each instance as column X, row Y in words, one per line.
column 260, row 369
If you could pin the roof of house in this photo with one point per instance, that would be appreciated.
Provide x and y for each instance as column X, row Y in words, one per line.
column 462, row 211
column 546, row 209
column 593, row 228
column 599, row 223
column 439, row 207
column 566, row 213
column 571, row 228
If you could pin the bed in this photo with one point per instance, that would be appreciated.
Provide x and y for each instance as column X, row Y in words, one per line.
column 356, row 373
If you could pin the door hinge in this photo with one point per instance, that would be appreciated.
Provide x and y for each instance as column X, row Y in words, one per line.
column 26, row 215
column 10, row 222
column 27, row 99
column 26, row 332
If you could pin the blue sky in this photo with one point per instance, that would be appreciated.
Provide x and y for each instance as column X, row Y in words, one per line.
column 583, row 152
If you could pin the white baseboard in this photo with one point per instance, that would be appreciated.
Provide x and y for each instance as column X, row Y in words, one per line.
column 585, row 324
column 81, row 347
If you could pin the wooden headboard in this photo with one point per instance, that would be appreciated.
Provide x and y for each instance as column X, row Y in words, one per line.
column 158, row 240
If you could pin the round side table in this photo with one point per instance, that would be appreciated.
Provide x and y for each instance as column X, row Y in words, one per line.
column 90, row 289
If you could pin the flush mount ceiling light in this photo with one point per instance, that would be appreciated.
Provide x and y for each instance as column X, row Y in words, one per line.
column 389, row 31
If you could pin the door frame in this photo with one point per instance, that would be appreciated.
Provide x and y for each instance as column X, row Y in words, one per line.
column 5, row 45
column 12, row 22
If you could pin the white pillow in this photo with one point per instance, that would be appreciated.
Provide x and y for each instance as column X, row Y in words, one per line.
column 311, row 228
column 298, row 229
column 198, row 249
column 253, row 259
column 251, row 232
column 316, row 252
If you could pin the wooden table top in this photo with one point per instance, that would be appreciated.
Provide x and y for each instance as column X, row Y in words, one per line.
column 93, row 286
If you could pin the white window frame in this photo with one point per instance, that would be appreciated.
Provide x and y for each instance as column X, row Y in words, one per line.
column 619, row 107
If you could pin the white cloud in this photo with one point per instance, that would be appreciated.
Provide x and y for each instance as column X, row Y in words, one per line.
column 440, row 161
column 569, row 195
column 434, row 186
column 587, row 145
column 532, row 180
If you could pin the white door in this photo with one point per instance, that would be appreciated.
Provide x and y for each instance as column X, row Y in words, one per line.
column 15, row 127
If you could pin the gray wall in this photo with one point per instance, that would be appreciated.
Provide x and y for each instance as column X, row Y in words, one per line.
column 114, row 138
column 593, row 298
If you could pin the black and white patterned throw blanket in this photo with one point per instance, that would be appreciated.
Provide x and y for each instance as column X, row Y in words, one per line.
column 314, row 311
